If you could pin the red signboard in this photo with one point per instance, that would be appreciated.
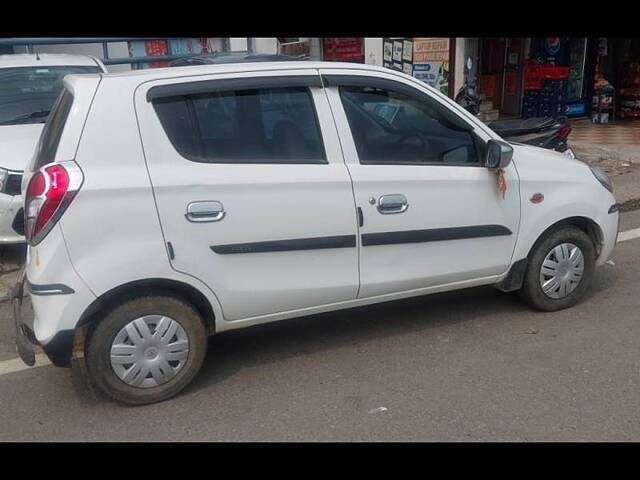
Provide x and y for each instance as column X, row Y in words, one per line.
column 342, row 49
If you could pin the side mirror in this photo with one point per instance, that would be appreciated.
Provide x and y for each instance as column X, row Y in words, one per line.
column 499, row 154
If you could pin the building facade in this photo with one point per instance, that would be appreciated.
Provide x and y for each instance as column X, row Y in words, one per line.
column 517, row 77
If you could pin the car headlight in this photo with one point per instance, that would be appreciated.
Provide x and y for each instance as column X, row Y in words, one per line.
column 4, row 175
column 602, row 178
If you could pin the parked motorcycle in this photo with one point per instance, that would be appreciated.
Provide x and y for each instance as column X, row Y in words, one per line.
column 545, row 132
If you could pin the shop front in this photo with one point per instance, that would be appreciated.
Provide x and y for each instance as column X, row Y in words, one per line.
column 529, row 77
column 618, row 64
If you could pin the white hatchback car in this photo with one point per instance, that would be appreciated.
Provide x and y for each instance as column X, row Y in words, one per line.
column 29, row 86
column 166, row 205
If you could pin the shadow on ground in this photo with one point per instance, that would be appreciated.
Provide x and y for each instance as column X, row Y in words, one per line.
column 236, row 350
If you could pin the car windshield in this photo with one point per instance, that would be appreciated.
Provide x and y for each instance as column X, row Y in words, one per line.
column 28, row 93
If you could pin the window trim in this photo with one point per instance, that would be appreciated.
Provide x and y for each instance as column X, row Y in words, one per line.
column 338, row 80
column 364, row 81
column 232, row 85
column 41, row 156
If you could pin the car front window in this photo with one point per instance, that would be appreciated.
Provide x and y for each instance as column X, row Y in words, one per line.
column 27, row 94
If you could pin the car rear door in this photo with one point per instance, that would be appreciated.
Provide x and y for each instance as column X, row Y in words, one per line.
column 432, row 214
column 251, row 187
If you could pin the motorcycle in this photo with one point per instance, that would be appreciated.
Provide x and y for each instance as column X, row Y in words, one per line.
column 545, row 132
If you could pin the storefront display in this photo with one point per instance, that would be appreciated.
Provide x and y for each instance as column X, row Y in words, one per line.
column 603, row 101
column 629, row 93
column 545, row 90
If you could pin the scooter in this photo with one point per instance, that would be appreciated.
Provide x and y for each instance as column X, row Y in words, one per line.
column 545, row 132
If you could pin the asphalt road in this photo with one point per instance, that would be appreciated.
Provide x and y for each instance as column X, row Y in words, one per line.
column 471, row 365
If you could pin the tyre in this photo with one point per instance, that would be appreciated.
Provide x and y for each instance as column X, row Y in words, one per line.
column 560, row 270
column 146, row 349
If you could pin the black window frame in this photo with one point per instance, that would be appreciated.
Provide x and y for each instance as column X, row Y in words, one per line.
column 51, row 134
column 364, row 81
column 187, row 90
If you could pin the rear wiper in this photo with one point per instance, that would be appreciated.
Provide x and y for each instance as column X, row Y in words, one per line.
column 27, row 116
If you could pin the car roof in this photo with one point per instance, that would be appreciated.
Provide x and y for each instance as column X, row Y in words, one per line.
column 46, row 59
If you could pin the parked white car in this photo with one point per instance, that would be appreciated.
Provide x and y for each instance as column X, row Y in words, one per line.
column 167, row 205
column 29, row 86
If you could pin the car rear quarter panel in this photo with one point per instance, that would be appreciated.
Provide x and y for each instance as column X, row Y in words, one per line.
column 112, row 228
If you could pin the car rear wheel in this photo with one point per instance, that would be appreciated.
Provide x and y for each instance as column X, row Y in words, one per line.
column 146, row 349
column 560, row 270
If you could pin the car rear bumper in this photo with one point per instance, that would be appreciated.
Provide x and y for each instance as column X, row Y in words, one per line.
column 59, row 348
column 25, row 339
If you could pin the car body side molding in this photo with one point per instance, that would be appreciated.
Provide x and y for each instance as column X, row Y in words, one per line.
column 434, row 235
column 340, row 241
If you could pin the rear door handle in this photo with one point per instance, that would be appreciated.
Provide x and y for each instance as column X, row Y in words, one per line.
column 206, row 211
column 393, row 203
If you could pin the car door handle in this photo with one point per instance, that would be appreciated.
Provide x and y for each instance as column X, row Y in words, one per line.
column 207, row 211
column 394, row 203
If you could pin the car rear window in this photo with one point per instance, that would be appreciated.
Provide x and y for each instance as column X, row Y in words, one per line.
column 27, row 94
column 50, row 136
column 271, row 125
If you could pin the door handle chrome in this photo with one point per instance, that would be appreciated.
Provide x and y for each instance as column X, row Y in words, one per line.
column 207, row 211
column 393, row 203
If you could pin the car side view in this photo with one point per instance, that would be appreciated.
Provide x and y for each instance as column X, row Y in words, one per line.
column 29, row 86
column 166, row 205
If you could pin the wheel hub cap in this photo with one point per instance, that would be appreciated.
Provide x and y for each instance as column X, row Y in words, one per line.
column 149, row 351
column 561, row 270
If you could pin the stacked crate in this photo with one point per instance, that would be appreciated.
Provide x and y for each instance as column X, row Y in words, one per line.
column 545, row 89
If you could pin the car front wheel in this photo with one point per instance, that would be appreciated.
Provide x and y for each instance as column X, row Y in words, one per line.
column 560, row 270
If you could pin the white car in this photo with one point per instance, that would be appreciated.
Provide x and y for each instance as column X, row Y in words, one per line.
column 29, row 86
column 167, row 205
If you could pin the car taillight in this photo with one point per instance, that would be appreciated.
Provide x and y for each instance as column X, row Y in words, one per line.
column 564, row 132
column 48, row 195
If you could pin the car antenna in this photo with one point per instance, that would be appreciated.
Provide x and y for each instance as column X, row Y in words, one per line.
column 37, row 56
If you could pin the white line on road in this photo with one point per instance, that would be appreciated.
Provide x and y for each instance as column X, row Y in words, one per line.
column 17, row 365
column 629, row 235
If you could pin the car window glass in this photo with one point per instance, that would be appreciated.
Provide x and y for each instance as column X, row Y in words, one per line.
column 274, row 125
column 52, row 132
column 391, row 127
column 27, row 94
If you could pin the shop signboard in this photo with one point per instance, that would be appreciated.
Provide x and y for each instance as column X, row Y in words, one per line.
column 397, row 50
column 387, row 53
column 342, row 49
column 431, row 62
column 407, row 51
column 300, row 49
column 398, row 54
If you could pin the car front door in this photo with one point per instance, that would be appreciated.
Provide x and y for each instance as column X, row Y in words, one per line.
column 432, row 214
column 251, row 187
